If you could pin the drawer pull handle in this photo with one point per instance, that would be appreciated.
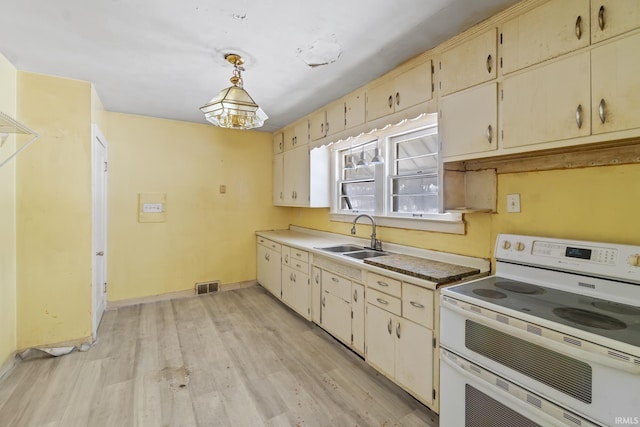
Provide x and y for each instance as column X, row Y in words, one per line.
column 298, row 265
column 266, row 256
column 397, row 98
column 579, row 116
column 355, row 295
column 317, row 279
column 489, row 134
column 382, row 283
column 382, row 301
column 489, row 63
column 579, row 27
column 335, row 279
column 601, row 111
column 389, row 327
column 398, row 330
column 416, row 304
column 390, row 101
column 601, row 18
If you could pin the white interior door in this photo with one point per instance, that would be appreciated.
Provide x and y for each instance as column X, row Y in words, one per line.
column 99, row 188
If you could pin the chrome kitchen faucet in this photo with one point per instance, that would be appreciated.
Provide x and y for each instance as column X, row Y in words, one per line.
column 375, row 243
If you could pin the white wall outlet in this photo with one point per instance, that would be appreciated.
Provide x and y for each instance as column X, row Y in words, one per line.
column 513, row 203
column 152, row 207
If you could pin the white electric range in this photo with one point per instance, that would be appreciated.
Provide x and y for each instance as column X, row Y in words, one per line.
column 553, row 338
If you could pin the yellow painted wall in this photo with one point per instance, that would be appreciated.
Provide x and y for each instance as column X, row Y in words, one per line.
column 54, row 212
column 207, row 235
column 597, row 204
column 8, row 87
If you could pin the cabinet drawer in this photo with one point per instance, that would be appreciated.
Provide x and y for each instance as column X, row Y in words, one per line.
column 336, row 285
column 384, row 301
column 269, row 244
column 384, row 284
column 297, row 254
column 417, row 304
column 300, row 266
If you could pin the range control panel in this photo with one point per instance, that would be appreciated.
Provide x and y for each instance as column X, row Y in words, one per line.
column 601, row 259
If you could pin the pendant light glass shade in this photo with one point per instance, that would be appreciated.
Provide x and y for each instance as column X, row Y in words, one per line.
column 377, row 157
column 362, row 161
column 233, row 107
column 350, row 164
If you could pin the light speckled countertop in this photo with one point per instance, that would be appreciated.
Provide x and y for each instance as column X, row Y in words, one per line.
column 423, row 268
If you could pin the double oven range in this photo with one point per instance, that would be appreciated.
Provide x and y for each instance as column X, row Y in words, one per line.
column 553, row 338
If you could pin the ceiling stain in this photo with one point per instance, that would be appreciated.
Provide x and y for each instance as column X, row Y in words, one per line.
column 321, row 52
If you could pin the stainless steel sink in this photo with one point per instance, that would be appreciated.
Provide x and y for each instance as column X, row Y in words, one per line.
column 342, row 248
column 365, row 254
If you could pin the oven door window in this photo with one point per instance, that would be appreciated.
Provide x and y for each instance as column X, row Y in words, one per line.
column 568, row 375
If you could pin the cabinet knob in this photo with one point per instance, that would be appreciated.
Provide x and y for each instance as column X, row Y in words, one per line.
column 601, row 111
column 579, row 27
column 601, row 18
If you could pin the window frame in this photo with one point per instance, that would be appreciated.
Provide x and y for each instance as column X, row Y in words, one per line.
column 449, row 222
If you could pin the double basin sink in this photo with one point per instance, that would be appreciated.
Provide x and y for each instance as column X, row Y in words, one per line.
column 353, row 251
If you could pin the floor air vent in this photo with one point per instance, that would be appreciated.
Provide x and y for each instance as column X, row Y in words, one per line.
column 207, row 287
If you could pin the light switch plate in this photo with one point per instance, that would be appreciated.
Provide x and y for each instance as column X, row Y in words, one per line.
column 513, row 203
column 152, row 207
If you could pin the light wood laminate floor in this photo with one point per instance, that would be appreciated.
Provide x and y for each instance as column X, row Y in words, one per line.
column 236, row 358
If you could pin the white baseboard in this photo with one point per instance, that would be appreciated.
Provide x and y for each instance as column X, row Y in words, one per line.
column 175, row 295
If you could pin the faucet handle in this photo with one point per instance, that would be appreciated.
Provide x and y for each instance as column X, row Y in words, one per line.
column 378, row 246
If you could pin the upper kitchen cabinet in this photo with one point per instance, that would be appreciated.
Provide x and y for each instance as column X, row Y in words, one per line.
column 550, row 30
column 613, row 17
column 547, row 103
column 354, row 109
column 615, row 80
column 469, row 121
column 296, row 135
column 391, row 95
column 304, row 177
column 278, row 142
column 469, row 63
column 328, row 121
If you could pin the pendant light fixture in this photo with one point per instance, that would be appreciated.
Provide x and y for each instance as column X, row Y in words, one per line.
column 350, row 164
column 377, row 157
column 233, row 107
column 362, row 161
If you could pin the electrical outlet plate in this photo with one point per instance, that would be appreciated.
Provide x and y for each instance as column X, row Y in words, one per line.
column 513, row 203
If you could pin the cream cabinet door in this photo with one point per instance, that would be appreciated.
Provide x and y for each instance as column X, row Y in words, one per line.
column 278, row 179
column 414, row 359
column 615, row 79
column 335, row 118
column 413, row 87
column 357, row 318
column 296, row 135
column 288, row 285
column 301, row 294
column 469, row 120
column 470, row 63
column 336, row 317
column 380, row 99
column 548, row 31
column 317, row 125
column 612, row 17
column 316, row 294
column 548, row 103
column 354, row 110
column 268, row 270
column 296, row 176
column 278, row 142
column 380, row 340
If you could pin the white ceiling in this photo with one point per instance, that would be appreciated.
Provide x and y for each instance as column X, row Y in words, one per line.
column 165, row 58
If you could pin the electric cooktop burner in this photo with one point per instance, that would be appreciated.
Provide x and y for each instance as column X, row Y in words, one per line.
column 489, row 293
column 589, row 318
column 620, row 322
column 519, row 287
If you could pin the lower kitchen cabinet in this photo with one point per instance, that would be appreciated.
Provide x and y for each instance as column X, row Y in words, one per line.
column 400, row 348
column 268, row 266
column 342, row 306
column 295, row 290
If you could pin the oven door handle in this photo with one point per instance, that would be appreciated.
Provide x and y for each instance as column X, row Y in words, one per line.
column 481, row 382
column 566, row 349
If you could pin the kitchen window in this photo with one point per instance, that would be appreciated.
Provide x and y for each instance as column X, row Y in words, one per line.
column 406, row 190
